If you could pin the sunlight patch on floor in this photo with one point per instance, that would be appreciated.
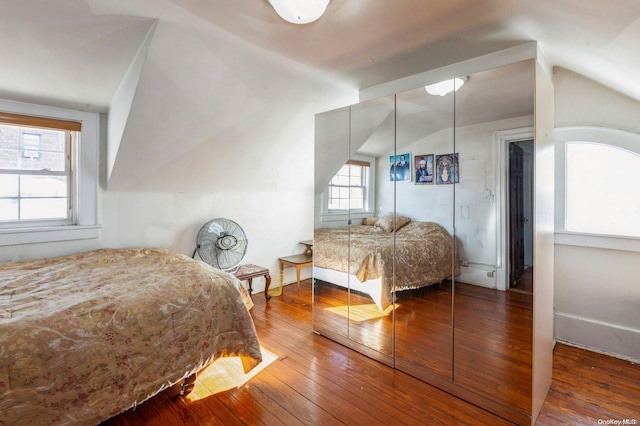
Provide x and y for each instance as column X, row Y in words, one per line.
column 226, row 373
column 361, row 313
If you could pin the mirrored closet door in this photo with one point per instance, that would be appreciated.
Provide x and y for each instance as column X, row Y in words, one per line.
column 425, row 259
column 331, row 302
column 493, row 314
column 371, row 248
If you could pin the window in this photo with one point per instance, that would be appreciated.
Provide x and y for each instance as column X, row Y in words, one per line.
column 350, row 193
column 36, row 177
column 348, row 188
column 30, row 145
column 48, row 174
column 601, row 189
column 597, row 201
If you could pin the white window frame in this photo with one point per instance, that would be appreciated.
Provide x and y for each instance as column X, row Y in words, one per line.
column 85, row 157
column 364, row 184
column 340, row 215
column 602, row 135
column 67, row 172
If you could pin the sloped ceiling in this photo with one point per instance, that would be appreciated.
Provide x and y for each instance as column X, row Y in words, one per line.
column 227, row 92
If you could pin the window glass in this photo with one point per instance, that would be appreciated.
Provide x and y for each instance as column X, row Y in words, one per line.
column 348, row 188
column 35, row 176
column 601, row 194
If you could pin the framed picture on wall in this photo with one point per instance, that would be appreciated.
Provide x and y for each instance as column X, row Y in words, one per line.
column 400, row 167
column 423, row 166
column 447, row 169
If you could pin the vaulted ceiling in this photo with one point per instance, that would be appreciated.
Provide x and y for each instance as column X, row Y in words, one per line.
column 226, row 91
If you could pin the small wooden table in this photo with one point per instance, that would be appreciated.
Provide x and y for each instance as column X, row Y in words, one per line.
column 249, row 271
column 297, row 260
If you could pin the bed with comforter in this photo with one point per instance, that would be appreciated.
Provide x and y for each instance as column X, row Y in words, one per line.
column 87, row 336
column 362, row 257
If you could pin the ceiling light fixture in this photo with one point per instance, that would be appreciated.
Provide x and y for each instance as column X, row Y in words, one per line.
column 300, row 11
column 445, row 87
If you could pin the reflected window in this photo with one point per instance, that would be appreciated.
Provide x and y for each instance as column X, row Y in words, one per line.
column 601, row 195
column 349, row 187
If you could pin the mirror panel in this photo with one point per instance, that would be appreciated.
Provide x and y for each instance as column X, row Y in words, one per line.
column 493, row 320
column 332, row 134
column 423, row 315
column 371, row 251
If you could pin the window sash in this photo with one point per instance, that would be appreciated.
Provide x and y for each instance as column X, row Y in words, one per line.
column 25, row 210
column 348, row 191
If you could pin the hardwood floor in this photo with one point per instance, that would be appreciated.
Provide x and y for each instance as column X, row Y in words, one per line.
column 317, row 381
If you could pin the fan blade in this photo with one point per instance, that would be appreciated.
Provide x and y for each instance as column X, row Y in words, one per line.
column 215, row 228
column 227, row 260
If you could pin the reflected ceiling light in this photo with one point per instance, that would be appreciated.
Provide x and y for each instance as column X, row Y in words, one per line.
column 300, row 11
column 445, row 87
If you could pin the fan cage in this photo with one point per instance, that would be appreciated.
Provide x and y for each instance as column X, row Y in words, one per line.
column 222, row 244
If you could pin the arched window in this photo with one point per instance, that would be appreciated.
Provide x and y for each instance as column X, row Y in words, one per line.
column 597, row 175
column 602, row 194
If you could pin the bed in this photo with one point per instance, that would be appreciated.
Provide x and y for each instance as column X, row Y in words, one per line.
column 87, row 336
column 361, row 256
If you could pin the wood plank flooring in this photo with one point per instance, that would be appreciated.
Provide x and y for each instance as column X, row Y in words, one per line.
column 319, row 382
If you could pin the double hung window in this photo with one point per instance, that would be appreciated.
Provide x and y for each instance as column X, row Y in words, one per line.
column 37, row 186
column 348, row 190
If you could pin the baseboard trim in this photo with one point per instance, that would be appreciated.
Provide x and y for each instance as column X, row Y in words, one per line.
column 597, row 336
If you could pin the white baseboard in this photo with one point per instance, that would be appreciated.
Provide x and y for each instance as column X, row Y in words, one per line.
column 478, row 274
column 610, row 339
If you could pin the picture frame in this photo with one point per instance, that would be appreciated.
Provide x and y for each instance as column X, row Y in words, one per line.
column 447, row 169
column 400, row 167
column 423, row 174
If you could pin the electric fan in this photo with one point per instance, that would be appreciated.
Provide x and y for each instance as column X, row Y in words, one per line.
column 222, row 244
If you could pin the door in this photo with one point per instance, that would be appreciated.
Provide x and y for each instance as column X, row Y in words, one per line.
column 424, row 315
column 517, row 219
column 492, row 326
column 372, row 133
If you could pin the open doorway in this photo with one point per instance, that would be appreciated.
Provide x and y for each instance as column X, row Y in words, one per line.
column 520, row 215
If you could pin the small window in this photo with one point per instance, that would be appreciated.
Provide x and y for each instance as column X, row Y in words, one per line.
column 601, row 189
column 349, row 187
column 36, row 175
column 31, row 145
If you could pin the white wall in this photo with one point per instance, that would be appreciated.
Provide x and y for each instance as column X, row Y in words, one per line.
column 597, row 293
column 274, row 223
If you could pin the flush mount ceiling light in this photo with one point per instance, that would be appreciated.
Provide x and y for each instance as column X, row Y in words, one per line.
column 445, row 87
column 300, row 11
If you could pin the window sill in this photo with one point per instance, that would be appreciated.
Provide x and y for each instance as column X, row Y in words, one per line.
column 598, row 241
column 335, row 217
column 10, row 237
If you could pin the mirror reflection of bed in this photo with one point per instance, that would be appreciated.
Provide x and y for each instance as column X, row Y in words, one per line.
column 462, row 329
column 376, row 263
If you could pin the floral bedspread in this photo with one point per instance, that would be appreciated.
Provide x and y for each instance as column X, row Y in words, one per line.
column 424, row 253
column 87, row 336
